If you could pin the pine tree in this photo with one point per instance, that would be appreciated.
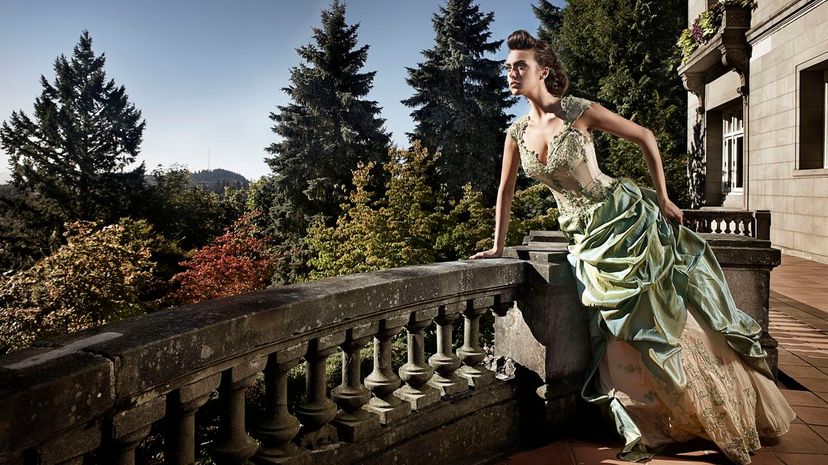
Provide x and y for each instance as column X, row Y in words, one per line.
column 551, row 19
column 328, row 127
column 75, row 153
column 460, row 100
column 621, row 53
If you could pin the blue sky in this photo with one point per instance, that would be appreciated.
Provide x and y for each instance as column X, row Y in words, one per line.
column 206, row 74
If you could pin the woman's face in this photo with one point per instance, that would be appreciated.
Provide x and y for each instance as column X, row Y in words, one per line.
column 523, row 73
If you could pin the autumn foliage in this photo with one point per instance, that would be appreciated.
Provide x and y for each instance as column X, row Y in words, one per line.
column 98, row 276
column 240, row 260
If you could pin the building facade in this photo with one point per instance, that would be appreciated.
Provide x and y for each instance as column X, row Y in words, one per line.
column 759, row 90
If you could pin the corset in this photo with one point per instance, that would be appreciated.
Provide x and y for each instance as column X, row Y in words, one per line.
column 571, row 171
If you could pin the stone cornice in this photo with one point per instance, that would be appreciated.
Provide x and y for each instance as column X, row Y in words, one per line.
column 729, row 50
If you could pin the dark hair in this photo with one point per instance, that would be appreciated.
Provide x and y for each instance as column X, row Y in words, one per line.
column 557, row 80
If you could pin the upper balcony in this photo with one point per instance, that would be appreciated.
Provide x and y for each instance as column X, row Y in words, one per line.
column 727, row 50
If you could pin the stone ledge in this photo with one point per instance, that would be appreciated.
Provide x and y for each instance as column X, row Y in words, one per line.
column 63, row 383
column 45, row 399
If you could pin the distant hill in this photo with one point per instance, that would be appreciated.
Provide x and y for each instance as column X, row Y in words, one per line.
column 216, row 180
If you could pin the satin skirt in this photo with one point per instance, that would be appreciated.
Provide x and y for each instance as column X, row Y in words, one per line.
column 661, row 313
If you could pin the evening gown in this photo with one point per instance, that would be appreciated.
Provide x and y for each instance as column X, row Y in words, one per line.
column 673, row 357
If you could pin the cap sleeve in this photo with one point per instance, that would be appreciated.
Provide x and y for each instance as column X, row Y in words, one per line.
column 574, row 107
column 512, row 130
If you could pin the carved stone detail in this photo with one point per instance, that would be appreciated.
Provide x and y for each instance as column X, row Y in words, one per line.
column 416, row 372
column 471, row 354
column 278, row 427
column 353, row 422
column 383, row 381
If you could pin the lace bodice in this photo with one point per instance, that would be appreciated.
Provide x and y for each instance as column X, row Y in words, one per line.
column 571, row 171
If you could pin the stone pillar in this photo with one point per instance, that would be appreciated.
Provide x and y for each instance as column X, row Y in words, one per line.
column 318, row 410
column 234, row 445
column 383, row 381
column 546, row 334
column 130, row 427
column 179, row 441
column 416, row 372
column 352, row 421
column 278, row 427
column 471, row 354
column 444, row 362
column 747, row 264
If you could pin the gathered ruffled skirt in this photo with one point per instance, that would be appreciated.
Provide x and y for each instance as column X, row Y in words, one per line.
column 674, row 358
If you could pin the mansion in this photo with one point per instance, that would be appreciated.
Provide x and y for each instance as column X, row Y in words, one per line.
column 758, row 89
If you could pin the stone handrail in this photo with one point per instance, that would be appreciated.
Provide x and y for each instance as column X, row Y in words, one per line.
column 99, row 392
column 754, row 224
column 95, row 395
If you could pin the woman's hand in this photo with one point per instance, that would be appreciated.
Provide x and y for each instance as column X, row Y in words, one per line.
column 491, row 253
column 669, row 210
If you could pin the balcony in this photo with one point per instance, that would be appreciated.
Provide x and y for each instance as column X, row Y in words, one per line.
column 727, row 50
column 95, row 396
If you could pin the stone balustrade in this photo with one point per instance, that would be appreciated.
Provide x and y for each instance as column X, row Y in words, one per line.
column 547, row 329
column 93, row 396
column 722, row 221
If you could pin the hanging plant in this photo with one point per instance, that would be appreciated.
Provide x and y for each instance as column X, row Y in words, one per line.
column 706, row 26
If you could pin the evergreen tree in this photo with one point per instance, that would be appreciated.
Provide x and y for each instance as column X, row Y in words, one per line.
column 621, row 53
column 551, row 19
column 460, row 101
column 325, row 131
column 329, row 127
column 75, row 153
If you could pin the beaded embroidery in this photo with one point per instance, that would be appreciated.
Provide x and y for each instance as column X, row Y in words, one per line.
column 566, row 153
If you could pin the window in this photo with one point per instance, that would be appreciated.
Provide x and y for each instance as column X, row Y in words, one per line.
column 733, row 140
column 813, row 102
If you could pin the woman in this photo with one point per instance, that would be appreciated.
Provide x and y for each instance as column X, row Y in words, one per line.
column 674, row 358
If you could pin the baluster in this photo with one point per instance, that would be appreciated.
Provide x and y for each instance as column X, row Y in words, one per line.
column 124, row 446
column 130, row 427
column 444, row 361
column 471, row 354
column 278, row 427
column 353, row 422
column 383, row 381
column 179, row 442
column 234, row 445
column 318, row 410
column 416, row 372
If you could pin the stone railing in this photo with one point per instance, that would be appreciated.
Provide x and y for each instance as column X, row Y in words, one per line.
column 92, row 397
column 535, row 343
column 720, row 221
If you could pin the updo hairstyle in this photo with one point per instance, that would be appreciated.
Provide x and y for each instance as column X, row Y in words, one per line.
column 556, row 81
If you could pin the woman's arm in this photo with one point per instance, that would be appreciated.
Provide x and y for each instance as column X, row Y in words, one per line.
column 598, row 117
column 508, row 178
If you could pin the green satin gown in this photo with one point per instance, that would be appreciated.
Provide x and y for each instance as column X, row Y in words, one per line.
column 638, row 275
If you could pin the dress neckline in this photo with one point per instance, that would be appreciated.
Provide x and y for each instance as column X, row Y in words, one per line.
column 524, row 123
